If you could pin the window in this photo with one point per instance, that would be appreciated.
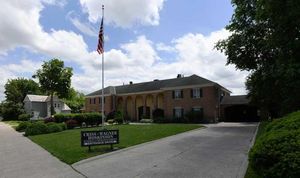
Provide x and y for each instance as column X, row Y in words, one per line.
column 90, row 100
column 100, row 100
column 55, row 105
column 58, row 105
column 178, row 112
column 94, row 100
column 177, row 94
column 196, row 93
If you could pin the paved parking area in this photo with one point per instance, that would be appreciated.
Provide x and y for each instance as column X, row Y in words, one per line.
column 218, row 151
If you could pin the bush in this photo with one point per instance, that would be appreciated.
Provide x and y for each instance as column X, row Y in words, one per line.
column 161, row 120
column 71, row 124
column 88, row 118
column 53, row 127
column 24, row 117
column 110, row 115
column 22, row 126
column 146, row 120
column 276, row 152
column 194, row 117
column 158, row 113
column 49, row 120
column 36, row 128
column 118, row 117
column 11, row 111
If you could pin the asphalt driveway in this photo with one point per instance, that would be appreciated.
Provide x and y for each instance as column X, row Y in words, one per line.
column 19, row 157
column 218, row 151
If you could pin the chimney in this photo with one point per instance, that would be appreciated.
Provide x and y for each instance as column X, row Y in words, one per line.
column 155, row 80
column 179, row 76
column 130, row 83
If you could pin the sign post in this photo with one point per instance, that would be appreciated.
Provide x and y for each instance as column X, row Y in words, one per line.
column 102, row 137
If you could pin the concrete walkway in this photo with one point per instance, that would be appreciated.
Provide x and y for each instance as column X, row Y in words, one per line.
column 19, row 157
column 218, row 151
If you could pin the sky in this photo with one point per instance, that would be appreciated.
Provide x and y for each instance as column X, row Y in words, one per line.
column 144, row 40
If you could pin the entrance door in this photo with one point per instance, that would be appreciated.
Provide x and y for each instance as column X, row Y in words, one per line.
column 140, row 112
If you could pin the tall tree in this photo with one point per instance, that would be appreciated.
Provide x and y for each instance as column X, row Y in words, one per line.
column 17, row 89
column 54, row 78
column 265, row 40
column 75, row 100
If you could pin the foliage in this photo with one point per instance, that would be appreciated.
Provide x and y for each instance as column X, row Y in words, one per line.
column 54, row 78
column 49, row 119
column 267, row 44
column 75, row 100
column 158, row 113
column 66, row 145
column 38, row 127
column 72, row 123
column 10, row 110
column 110, row 121
column 276, row 151
column 119, row 117
column 88, row 118
column 17, row 89
column 22, row 126
column 146, row 120
column 110, row 115
column 24, row 117
column 194, row 116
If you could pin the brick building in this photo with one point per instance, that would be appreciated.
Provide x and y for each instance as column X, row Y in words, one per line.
column 175, row 97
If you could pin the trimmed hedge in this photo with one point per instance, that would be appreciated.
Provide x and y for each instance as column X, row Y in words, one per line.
column 22, row 126
column 276, row 152
column 88, row 118
column 24, row 117
column 37, row 128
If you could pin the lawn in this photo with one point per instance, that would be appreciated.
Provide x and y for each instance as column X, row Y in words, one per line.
column 13, row 124
column 66, row 145
column 250, row 172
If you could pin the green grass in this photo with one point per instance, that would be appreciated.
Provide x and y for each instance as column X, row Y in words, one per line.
column 13, row 124
column 261, row 129
column 66, row 145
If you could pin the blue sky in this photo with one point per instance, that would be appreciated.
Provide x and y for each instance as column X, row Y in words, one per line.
column 145, row 39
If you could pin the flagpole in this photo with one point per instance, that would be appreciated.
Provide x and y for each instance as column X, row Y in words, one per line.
column 102, row 100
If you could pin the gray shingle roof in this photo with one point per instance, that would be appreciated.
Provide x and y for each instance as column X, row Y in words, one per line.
column 154, row 85
column 238, row 99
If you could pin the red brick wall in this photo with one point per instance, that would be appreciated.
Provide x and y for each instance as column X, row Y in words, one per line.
column 91, row 107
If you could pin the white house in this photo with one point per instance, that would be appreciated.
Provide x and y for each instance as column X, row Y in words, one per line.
column 41, row 104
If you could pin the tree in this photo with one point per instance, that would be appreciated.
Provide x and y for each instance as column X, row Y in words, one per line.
column 54, row 78
column 75, row 100
column 17, row 89
column 265, row 40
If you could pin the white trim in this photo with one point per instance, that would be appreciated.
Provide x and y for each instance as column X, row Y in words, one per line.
column 143, row 92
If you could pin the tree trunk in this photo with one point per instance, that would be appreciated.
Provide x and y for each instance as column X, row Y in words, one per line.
column 51, row 107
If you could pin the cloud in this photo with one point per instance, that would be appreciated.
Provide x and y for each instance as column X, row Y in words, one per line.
column 84, row 27
column 123, row 13
column 137, row 60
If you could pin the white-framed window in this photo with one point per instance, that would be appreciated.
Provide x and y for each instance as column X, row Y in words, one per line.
column 55, row 105
column 177, row 94
column 196, row 93
column 178, row 112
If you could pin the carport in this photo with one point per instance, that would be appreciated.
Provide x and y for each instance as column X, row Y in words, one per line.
column 238, row 109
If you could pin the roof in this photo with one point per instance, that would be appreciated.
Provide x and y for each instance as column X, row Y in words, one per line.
column 237, row 99
column 154, row 85
column 37, row 98
column 66, row 107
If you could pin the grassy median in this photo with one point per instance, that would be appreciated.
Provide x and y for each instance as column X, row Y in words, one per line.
column 66, row 145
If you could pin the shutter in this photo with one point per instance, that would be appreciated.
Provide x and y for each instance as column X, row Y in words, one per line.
column 181, row 93
column 173, row 94
column 192, row 93
column 90, row 100
column 182, row 112
column 201, row 93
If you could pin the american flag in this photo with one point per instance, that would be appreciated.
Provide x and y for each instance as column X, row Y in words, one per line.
column 100, row 47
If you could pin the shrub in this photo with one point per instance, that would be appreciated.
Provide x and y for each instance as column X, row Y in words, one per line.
column 110, row 115
column 36, row 128
column 88, row 118
column 24, row 117
column 146, row 120
column 158, row 113
column 49, row 120
column 22, row 126
column 71, row 124
column 276, row 152
column 54, row 127
column 194, row 117
column 118, row 117
column 161, row 120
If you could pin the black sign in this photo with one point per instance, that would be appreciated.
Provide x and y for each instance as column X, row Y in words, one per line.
column 102, row 137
